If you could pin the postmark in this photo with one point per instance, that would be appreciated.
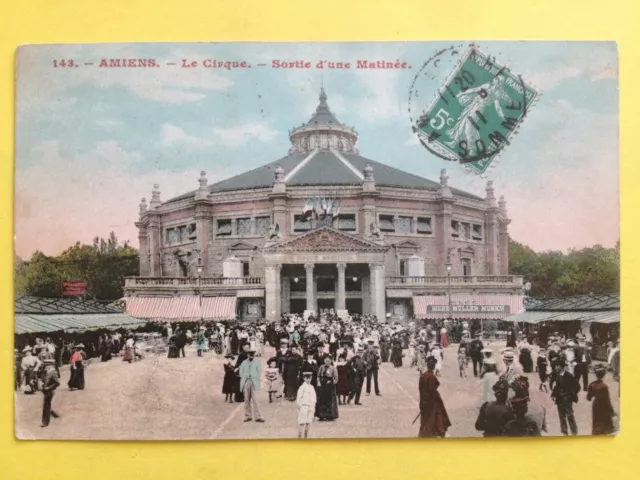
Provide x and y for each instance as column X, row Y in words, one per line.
column 476, row 111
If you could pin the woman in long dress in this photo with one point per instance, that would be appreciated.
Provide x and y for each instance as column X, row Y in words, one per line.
column 173, row 347
column 106, row 348
column 327, row 406
column 76, row 380
column 434, row 420
column 292, row 374
column 602, row 410
column 396, row 353
column 444, row 340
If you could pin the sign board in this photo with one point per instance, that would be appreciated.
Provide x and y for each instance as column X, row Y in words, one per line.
column 73, row 289
column 468, row 309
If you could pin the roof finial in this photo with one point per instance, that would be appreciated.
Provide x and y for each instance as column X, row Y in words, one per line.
column 155, row 197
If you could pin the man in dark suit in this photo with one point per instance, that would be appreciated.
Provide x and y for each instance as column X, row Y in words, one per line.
column 357, row 367
column 475, row 352
column 583, row 360
column 565, row 394
column 372, row 361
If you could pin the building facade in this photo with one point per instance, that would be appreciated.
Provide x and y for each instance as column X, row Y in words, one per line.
column 322, row 228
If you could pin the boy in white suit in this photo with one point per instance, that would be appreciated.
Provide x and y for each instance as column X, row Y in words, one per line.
column 306, row 401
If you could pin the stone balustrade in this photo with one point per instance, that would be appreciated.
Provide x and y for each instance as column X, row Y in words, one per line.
column 511, row 280
column 191, row 281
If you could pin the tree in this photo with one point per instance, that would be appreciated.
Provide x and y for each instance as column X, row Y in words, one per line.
column 102, row 266
column 555, row 274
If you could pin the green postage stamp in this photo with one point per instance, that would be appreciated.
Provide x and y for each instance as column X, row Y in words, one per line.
column 476, row 112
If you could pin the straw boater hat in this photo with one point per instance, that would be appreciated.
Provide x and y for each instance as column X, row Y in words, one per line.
column 508, row 355
column 27, row 349
column 307, row 373
column 486, row 350
column 489, row 361
column 80, row 345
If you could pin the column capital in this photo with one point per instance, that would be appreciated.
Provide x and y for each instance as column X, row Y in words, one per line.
column 309, row 266
column 341, row 267
column 273, row 266
column 376, row 265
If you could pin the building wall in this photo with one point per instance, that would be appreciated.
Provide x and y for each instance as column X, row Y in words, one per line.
column 488, row 256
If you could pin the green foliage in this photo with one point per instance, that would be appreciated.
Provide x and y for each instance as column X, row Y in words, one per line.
column 555, row 274
column 102, row 266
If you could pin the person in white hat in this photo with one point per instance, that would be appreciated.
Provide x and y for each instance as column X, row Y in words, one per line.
column 511, row 371
column 30, row 365
column 489, row 379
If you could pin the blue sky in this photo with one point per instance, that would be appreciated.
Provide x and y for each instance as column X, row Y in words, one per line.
column 91, row 141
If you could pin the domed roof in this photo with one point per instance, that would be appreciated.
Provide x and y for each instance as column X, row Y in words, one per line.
column 323, row 115
column 324, row 164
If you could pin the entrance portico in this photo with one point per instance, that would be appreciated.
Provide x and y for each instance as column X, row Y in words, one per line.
column 327, row 268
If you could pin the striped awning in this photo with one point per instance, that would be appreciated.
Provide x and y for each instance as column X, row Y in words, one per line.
column 466, row 306
column 182, row 308
column 218, row 308
column 606, row 316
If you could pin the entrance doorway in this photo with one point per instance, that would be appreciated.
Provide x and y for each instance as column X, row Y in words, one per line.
column 325, row 304
column 298, row 305
column 354, row 305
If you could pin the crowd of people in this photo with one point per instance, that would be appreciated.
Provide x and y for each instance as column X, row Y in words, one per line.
column 322, row 363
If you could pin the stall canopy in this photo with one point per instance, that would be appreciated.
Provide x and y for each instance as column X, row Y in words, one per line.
column 182, row 308
column 585, row 308
column 40, row 315
column 467, row 306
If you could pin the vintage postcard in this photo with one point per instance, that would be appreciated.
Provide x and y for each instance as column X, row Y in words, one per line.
column 317, row 240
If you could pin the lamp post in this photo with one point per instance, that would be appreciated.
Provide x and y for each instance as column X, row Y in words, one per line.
column 526, row 288
column 449, row 288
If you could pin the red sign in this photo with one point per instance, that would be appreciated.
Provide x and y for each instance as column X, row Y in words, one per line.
column 73, row 289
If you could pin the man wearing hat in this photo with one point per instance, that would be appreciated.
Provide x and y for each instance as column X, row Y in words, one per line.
column 30, row 365
column 50, row 381
column 493, row 416
column 565, row 394
column 421, row 356
column 306, row 401
column 372, row 361
column 522, row 425
column 357, row 367
column 475, row 353
column 582, row 361
column 250, row 373
column 511, row 371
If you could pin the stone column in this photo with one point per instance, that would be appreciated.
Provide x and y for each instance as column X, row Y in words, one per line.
column 286, row 295
column 381, row 309
column 272, row 292
column 155, row 250
column 366, row 296
column 342, row 291
column 377, row 290
column 311, row 301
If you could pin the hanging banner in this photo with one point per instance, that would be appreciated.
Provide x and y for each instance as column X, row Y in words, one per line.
column 468, row 309
column 73, row 289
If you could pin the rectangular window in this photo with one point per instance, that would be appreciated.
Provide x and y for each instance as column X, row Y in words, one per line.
column 403, row 224
column 245, row 268
column 424, row 225
column 477, row 232
column 171, row 237
column 455, row 227
column 262, row 225
column 466, row 267
column 386, row 223
column 466, row 230
column 224, row 228
column 192, row 231
column 403, row 267
column 347, row 222
column 301, row 224
column 244, row 226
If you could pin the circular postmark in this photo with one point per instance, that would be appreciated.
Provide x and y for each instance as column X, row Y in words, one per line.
column 477, row 105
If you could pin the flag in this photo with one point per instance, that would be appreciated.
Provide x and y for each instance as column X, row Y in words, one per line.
column 324, row 207
column 335, row 208
column 309, row 209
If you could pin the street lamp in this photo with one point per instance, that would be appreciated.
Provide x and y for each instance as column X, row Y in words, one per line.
column 295, row 280
column 449, row 266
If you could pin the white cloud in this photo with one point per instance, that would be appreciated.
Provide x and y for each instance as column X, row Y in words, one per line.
column 172, row 134
column 107, row 123
column 63, row 199
column 233, row 137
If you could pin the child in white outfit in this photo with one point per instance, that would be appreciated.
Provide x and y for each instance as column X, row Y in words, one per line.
column 306, row 401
